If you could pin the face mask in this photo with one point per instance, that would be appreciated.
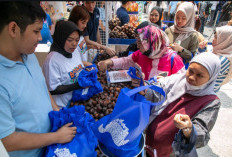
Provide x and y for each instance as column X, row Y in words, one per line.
column 191, row 87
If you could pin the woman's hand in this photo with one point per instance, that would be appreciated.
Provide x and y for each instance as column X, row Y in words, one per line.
column 183, row 121
column 87, row 63
column 102, row 65
column 176, row 47
column 229, row 23
column 203, row 44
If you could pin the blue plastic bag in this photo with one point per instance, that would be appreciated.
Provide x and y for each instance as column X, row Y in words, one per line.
column 87, row 79
column 132, row 73
column 121, row 131
column 84, row 143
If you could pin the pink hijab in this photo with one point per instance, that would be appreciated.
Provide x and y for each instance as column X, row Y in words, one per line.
column 223, row 46
column 154, row 39
column 184, row 32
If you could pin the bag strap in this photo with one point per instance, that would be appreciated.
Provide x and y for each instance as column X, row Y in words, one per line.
column 132, row 73
column 172, row 60
column 153, row 87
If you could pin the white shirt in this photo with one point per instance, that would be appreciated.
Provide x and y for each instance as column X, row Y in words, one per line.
column 213, row 7
column 164, row 5
column 150, row 6
column 59, row 70
column 82, row 49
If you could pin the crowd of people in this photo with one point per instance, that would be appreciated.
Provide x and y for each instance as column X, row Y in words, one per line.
column 189, row 77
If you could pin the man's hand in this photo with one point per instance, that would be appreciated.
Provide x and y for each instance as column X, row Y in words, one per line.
column 66, row 133
column 110, row 51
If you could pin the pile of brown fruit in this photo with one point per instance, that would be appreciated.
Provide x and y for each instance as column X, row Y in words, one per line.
column 124, row 32
column 118, row 33
column 129, row 30
column 114, row 22
column 103, row 103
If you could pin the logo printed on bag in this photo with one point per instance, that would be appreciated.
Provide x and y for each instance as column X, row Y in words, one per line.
column 85, row 91
column 64, row 152
column 117, row 130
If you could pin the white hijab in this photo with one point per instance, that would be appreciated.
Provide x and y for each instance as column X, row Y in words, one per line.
column 175, row 85
column 184, row 32
column 223, row 46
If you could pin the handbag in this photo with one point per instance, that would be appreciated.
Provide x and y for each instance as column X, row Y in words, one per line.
column 121, row 131
column 84, row 142
column 87, row 80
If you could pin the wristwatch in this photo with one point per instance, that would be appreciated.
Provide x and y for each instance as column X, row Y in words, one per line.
column 182, row 50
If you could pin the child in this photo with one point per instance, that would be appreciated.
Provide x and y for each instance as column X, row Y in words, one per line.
column 80, row 16
column 153, row 55
column 63, row 63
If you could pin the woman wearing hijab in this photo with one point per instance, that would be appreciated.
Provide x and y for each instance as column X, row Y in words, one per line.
column 222, row 47
column 63, row 63
column 182, row 36
column 153, row 56
column 189, row 111
column 156, row 15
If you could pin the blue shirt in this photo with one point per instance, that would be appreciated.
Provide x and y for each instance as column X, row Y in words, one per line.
column 102, row 16
column 24, row 99
column 92, row 26
column 45, row 31
column 123, row 15
column 173, row 7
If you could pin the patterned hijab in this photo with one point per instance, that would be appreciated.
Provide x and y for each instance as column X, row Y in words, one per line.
column 153, row 40
column 175, row 85
column 184, row 32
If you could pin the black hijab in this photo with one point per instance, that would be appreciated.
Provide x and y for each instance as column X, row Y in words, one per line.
column 160, row 11
column 62, row 31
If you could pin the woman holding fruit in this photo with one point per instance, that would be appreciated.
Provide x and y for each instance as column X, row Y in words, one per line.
column 189, row 111
column 153, row 56
column 182, row 36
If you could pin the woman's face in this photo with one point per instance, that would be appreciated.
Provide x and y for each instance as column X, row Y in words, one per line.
column 197, row 74
column 81, row 24
column 139, row 44
column 181, row 19
column 214, row 42
column 154, row 16
column 71, row 42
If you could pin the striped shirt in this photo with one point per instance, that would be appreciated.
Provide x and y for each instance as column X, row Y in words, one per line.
column 225, row 65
